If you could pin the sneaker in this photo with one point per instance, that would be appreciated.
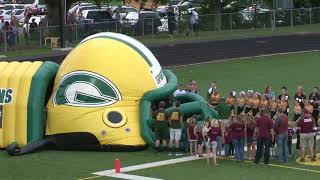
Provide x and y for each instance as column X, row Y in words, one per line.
column 179, row 154
column 302, row 160
column 170, row 153
column 313, row 159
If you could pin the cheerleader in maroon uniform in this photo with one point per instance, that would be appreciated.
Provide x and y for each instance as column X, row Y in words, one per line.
column 200, row 141
column 213, row 133
column 192, row 137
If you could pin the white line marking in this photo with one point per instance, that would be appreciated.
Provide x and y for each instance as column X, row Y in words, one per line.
column 241, row 58
column 148, row 165
column 131, row 177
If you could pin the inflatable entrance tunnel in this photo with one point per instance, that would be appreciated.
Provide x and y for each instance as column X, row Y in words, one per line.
column 100, row 100
column 23, row 92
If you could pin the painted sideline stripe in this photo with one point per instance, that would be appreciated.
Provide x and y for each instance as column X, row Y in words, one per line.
column 241, row 58
column 277, row 165
column 148, row 165
column 131, row 177
column 91, row 177
column 294, row 168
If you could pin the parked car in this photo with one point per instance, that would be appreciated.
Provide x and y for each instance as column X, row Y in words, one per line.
column 97, row 20
column 37, row 19
column 14, row 6
column 19, row 14
column 148, row 22
column 6, row 14
column 123, row 10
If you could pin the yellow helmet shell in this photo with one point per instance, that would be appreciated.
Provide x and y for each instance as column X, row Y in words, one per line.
column 99, row 86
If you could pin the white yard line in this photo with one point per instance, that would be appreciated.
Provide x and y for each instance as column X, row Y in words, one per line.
column 131, row 177
column 241, row 58
column 148, row 165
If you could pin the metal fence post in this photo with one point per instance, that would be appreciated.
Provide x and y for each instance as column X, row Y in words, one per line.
column 116, row 26
column 310, row 15
column 40, row 36
column 143, row 26
column 152, row 26
column 5, row 40
column 291, row 18
column 230, row 16
column 274, row 20
column 76, row 29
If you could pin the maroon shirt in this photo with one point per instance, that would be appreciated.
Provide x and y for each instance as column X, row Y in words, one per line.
column 264, row 124
column 199, row 133
column 282, row 124
column 237, row 130
column 306, row 125
column 213, row 133
column 191, row 132
column 227, row 137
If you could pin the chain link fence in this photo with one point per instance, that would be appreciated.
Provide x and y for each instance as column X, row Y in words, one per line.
column 157, row 28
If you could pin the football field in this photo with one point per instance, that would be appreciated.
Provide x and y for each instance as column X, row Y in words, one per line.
column 249, row 73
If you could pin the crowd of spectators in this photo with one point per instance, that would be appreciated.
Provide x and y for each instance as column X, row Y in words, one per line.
column 256, row 122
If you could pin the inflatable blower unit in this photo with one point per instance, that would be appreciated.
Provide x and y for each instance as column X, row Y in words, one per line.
column 98, row 99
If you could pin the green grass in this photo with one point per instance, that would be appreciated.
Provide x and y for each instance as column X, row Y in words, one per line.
column 68, row 165
column 254, row 73
column 26, row 52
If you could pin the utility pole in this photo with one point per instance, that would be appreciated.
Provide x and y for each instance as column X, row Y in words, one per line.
column 62, row 12
column 274, row 15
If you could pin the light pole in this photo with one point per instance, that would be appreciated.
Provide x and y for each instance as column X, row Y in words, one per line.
column 274, row 15
column 62, row 11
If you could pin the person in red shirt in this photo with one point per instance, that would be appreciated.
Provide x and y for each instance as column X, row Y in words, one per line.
column 238, row 133
column 265, row 135
column 306, row 125
column 192, row 137
column 281, row 127
column 213, row 133
column 200, row 140
column 227, row 142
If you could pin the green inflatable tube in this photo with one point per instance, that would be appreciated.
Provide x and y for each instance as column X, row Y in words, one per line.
column 205, row 109
column 154, row 95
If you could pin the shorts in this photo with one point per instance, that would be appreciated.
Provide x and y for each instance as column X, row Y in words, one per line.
column 250, row 139
column 161, row 133
column 200, row 142
column 175, row 134
column 212, row 144
column 306, row 139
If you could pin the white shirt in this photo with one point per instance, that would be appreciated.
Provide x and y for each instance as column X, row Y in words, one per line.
column 211, row 90
column 178, row 92
column 194, row 17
